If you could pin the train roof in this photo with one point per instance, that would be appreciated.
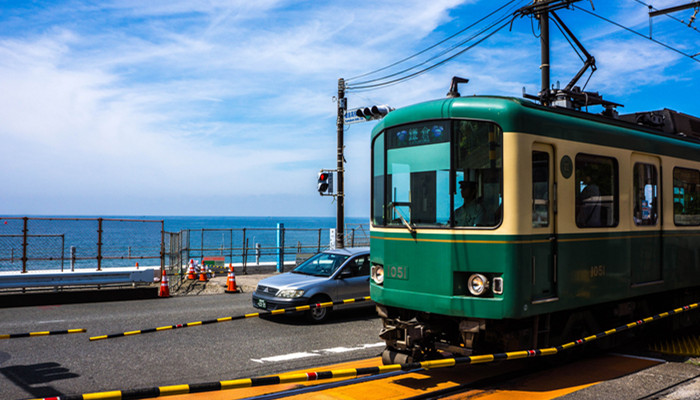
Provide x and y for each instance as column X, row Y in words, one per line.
column 521, row 115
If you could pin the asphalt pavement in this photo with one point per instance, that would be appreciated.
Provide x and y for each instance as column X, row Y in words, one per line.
column 47, row 366
column 71, row 364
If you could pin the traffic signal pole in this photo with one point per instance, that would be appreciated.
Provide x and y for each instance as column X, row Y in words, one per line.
column 340, row 195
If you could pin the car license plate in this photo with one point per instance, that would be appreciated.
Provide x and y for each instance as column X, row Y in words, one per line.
column 262, row 303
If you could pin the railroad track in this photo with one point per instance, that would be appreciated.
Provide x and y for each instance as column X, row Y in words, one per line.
column 525, row 379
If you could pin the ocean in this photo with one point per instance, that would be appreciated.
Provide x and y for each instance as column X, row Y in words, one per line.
column 65, row 242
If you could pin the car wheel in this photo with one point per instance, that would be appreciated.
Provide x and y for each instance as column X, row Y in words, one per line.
column 317, row 315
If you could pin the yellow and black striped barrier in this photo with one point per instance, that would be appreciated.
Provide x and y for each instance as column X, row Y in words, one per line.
column 355, row 372
column 43, row 333
column 225, row 319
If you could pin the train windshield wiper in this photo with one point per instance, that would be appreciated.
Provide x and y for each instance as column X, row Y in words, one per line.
column 407, row 224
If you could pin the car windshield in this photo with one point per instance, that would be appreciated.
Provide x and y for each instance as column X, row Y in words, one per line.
column 322, row 264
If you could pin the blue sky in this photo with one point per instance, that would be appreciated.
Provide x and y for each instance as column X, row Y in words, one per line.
column 226, row 107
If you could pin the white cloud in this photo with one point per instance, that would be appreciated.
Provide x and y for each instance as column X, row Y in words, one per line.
column 119, row 98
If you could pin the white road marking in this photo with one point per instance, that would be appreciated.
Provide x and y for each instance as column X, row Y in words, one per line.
column 315, row 353
column 51, row 322
column 347, row 349
column 284, row 357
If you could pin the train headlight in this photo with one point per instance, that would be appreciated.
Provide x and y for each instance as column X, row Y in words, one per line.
column 377, row 274
column 477, row 284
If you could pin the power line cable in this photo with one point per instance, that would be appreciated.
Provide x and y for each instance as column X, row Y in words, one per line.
column 424, row 70
column 375, row 83
column 639, row 34
column 365, row 83
column 433, row 46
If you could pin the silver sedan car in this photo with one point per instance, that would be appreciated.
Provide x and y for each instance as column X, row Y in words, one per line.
column 331, row 275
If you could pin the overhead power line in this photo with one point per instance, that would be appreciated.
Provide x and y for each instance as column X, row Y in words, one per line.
column 692, row 57
column 431, row 47
column 406, row 73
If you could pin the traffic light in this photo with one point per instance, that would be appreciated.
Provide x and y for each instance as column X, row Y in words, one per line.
column 325, row 182
column 374, row 112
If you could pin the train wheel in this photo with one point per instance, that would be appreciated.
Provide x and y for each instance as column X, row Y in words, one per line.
column 391, row 356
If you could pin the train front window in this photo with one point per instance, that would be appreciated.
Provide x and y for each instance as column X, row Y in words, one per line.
column 478, row 174
column 418, row 170
column 423, row 179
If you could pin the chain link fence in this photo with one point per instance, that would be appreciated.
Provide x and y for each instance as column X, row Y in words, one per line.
column 70, row 244
column 255, row 246
column 30, row 244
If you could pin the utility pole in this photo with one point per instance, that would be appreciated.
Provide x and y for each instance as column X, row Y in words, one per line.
column 340, row 195
column 544, row 54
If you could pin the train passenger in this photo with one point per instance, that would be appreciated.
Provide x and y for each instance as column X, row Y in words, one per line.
column 588, row 205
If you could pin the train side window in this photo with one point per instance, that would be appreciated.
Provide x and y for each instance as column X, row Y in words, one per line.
column 686, row 196
column 596, row 191
column 645, row 194
column 540, row 189
column 378, row 188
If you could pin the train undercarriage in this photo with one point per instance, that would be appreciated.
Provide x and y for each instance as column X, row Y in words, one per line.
column 413, row 336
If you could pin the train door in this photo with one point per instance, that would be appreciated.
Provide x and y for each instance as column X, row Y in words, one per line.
column 544, row 246
column 645, row 244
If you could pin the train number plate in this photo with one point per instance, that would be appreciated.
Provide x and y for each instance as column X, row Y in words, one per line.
column 262, row 303
column 398, row 272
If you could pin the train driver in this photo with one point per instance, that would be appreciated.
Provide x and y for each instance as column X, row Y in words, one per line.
column 471, row 213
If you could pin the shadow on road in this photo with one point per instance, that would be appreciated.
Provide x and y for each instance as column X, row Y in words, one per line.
column 336, row 317
column 28, row 377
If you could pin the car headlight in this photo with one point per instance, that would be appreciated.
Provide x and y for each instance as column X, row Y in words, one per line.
column 477, row 284
column 377, row 274
column 290, row 293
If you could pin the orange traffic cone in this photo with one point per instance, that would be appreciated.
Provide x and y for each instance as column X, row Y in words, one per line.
column 164, row 289
column 190, row 271
column 137, row 265
column 231, row 281
column 203, row 273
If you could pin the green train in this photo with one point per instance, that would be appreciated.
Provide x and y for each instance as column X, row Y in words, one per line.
column 498, row 224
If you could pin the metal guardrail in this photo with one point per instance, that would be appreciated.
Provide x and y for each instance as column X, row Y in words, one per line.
column 111, row 276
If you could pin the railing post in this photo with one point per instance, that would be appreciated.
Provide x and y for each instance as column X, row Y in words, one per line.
column 99, row 244
column 280, row 247
column 63, row 250
column 318, row 248
column 72, row 258
column 24, row 246
column 162, row 248
column 257, row 253
column 244, row 253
